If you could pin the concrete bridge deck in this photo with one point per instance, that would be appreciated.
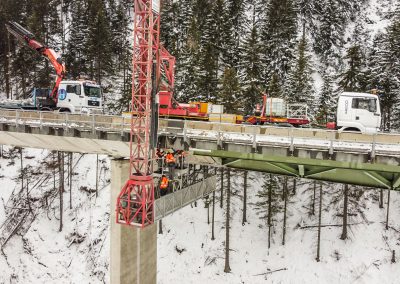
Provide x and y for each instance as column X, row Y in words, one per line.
column 110, row 135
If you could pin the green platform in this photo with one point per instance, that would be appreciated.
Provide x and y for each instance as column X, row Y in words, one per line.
column 365, row 174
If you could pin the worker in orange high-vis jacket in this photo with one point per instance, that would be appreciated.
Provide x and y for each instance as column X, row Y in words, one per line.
column 164, row 184
column 171, row 162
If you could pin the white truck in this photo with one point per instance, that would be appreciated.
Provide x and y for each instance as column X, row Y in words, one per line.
column 65, row 96
column 73, row 96
column 79, row 96
column 358, row 112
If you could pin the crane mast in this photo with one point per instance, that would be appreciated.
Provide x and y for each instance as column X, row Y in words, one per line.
column 135, row 203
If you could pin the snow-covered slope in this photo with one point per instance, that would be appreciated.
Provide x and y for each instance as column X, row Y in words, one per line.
column 79, row 254
column 364, row 258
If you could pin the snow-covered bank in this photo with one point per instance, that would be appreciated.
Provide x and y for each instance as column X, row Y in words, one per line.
column 186, row 253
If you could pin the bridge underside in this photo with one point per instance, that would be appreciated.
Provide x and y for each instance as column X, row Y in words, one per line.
column 364, row 174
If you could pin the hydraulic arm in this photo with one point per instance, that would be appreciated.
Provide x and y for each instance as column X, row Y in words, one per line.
column 28, row 38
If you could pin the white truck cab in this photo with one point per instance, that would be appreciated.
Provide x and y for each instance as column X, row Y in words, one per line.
column 79, row 96
column 358, row 112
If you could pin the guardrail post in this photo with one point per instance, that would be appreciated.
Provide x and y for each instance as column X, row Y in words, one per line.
column 66, row 122
column 330, row 152
column 254, row 138
column 291, row 149
column 93, row 124
column 184, row 132
column 40, row 120
column 122, row 126
column 373, row 147
column 219, row 139
column 16, row 118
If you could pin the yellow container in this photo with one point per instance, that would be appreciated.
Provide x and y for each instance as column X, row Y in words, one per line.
column 204, row 107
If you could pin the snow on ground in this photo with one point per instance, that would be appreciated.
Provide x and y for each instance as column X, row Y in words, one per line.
column 364, row 258
column 44, row 255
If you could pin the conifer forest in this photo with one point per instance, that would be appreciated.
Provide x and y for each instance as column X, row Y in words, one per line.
column 267, row 206
column 228, row 51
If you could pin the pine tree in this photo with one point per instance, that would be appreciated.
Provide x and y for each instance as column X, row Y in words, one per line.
column 76, row 57
column 327, row 99
column 250, row 69
column 267, row 206
column 353, row 78
column 275, row 87
column 393, row 63
column 299, row 84
column 99, row 41
column 230, row 91
column 278, row 37
column 328, row 36
column 187, row 64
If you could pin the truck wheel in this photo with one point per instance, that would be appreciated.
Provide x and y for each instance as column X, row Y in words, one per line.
column 64, row 110
column 351, row 129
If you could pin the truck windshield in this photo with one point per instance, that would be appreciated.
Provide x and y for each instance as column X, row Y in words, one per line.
column 92, row 91
column 364, row 103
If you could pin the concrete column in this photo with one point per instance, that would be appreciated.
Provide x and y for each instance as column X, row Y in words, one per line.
column 133, row 258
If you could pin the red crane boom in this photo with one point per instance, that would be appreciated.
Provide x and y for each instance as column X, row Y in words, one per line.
column 25, row 36
column 135, row 204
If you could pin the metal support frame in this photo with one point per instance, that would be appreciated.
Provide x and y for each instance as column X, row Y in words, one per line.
column 135, row 204
column 364, row 174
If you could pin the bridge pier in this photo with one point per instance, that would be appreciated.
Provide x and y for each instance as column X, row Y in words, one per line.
column 133, row 251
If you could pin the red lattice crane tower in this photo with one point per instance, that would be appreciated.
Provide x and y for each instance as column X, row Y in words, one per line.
column 135, row 204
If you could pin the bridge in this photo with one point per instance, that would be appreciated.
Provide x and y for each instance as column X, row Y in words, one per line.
column 353, row 158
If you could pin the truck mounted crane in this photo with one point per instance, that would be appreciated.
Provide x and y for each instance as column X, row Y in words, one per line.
column 66, row 95
column 26, row 37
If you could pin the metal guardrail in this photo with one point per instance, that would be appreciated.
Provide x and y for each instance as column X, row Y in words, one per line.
column 172, row 202
column 329, row 140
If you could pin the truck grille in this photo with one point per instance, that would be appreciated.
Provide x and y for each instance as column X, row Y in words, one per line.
column 93, row 103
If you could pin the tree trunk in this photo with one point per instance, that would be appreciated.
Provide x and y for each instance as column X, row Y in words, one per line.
column 319, row 223
column 381, row 198
column 97, row 175
column 70, row 179
column 228, row 205
column 22, row 170
column 61, row 185
column 284, row 211
column 213, row 217
column 54, row 170
column 294, row 186
column 222, row 188
column 313, row 199
column 7, row 69
column 269, row 210
column 208, row 212
column 244, row 218
column 27, row 192
column 345, row 205
column 387, row 210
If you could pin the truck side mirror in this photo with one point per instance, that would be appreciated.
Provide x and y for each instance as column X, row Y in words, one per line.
column 78, row 90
